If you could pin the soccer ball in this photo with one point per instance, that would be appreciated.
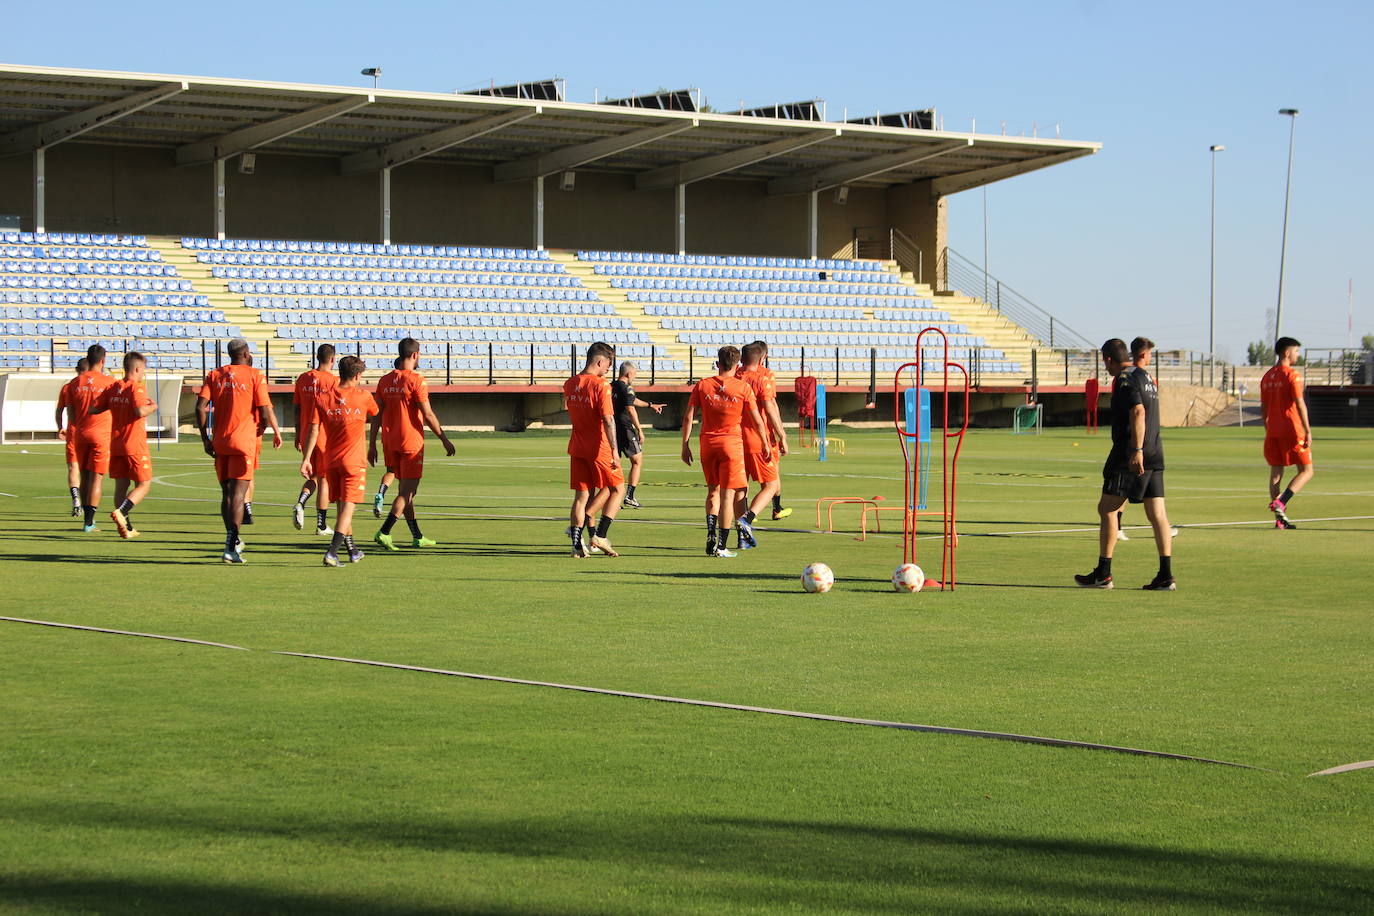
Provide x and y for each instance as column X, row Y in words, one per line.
column 817, row 578
column 908, row 578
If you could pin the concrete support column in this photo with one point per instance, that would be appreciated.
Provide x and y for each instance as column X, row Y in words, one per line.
column 813, row 222
column 680, row 196
column 219, row 198
column 40, row 177
column 539, row 212
column 386, row 206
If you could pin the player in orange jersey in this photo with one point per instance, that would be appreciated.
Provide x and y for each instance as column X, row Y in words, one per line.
column 234, row 391
column 388, row 475
column 594, row 469
column 759, row 377
column 92, row 431
column 67, row 433
column 1287, row 429
column 130, row 463
column 405, row 413
column 723, row 401
column 310, row 385
column 260, row 425
column 341, row 415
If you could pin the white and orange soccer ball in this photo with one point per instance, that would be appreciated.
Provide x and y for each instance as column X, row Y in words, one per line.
column 817, row 579
column 908, row 578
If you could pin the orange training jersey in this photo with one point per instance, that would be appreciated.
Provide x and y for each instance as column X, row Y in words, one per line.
column 309, row 386
column 759, row 378
column 84, row 392
column 123, row 400
column 1280, row 391
column 721, row 403
column 235, row 390
column 400, row 393
column 64, row 401
column 343, row 413
column 589, row 402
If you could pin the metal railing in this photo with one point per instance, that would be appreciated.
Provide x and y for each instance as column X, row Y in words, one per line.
column 956, row 273
column 885, row 243
column 1338, row 367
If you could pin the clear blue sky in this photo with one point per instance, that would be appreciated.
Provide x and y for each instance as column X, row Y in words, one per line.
column 1114, row 244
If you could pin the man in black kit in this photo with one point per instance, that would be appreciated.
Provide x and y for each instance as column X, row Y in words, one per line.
column 629, row 436
column 1135, row 467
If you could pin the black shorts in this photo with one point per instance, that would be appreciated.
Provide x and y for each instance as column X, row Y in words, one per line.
column 1135, row 488
column 627, row 443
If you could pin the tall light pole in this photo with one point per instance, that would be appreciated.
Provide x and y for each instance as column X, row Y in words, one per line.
column 1292, row 114
column 1212, row 293
column 375, row 73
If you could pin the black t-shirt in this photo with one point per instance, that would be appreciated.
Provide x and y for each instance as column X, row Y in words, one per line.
column 1134, row 386
column 623, row 401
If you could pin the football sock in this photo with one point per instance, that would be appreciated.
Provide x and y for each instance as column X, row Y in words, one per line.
column 231, row 539
column 381, row 490
column 711, row 522
column 76, row 494
column 1286, row 497
column 1118, row 520
column 348, row 543
column 603, row 526
column 576, row 537
column 390, row 523
column 1166, row 568
column 88, row 513
column 305, row 495
column 125, row 507
column 748, row 517
column 1104, row 567
column 247, row 511
column 777, row 501
column 414, row 527
column 630, row 494
column 321, row 519
column 335, row 543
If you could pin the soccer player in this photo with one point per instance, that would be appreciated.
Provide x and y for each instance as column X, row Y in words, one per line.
column 629, row 435
column 92, row 432
column 310, row 386
column 763, row 471
column 341, row 416
column 130, row 463
column 405, row 412
column 67, row 433
column 234, row 390
column 1287, row 429
column 388, row 476
column 260, row 426
column 1142, row 350
column 594, row 470
column 723, row 401
column 1134, row 470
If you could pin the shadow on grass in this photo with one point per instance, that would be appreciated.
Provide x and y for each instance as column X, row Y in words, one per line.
column 735, row 862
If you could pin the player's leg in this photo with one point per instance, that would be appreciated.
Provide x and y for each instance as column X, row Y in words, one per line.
column 74, row 479
column 1108, row 505
column 612, row 496
column 379, row 499
column 713, row 501
column 248, row 500
column 303, row 497
column 1275, row 481
column 576, row 516
column 234, row 477
column 1164, row 541
column 636, row 467
column 728, row 497
column 92, row 484
column 341, row 543
column 323, row 497
column 1300, row 480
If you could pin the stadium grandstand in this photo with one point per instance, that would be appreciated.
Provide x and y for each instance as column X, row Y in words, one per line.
column 168, row 214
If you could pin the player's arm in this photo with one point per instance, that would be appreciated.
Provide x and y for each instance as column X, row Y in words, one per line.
column 1301, row 404
column 656, row 408
column 57, row 418
column 299, row 435
column 372, row 431
column 1137, row 441
column 308, row 450
column 273, row 424
column 608, row 430
column 687, row 420
column 775, row 421
column 432, row 422
column 149, row 406
column 203, row 424
column 757, row 419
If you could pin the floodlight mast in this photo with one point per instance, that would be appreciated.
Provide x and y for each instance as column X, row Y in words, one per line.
column 374, row 72
column 1212, row 293
column 1292, row 115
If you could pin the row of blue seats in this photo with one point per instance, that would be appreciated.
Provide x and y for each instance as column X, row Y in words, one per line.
column 544, row 365
column 768, row 324
column 73, row 238
column 130, row 284
column 393, row 276
column 423, row 319
column 823, row 367
column 42, row 313
column 458, row 306
column 371, row 262
column 427, row 251
column 8, row 361
column 755, row 299
column 34, row 252
column 161, row 300
column 367, row 291
column 814, row 288
column 745, row 311
column 799, row 338
column 29, row 344
column 325, row 332
column 117, row 329
column 967, row 346
column 383, row 347
column 711, row 260
column 741, row 273
column 83, row 268
column 196, row 345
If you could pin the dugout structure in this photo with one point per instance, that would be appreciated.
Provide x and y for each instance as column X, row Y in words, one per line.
column 28, row 401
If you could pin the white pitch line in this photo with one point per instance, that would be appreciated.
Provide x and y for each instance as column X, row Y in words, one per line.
column 1345, row 768
column 1094, row 528
column 74, row 626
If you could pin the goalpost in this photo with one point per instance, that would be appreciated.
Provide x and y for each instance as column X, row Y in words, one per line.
column 1026, row 420
column 28, row 401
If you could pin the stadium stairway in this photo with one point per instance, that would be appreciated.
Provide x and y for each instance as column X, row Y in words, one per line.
column 634, row 311
column 256, row 331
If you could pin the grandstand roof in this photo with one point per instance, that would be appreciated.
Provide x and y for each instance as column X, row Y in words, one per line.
column 206, row 119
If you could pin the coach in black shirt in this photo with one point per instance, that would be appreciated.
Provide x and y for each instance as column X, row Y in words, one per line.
column 1134, row 470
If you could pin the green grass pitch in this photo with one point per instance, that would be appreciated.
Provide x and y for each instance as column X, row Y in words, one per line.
column 158, row 777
